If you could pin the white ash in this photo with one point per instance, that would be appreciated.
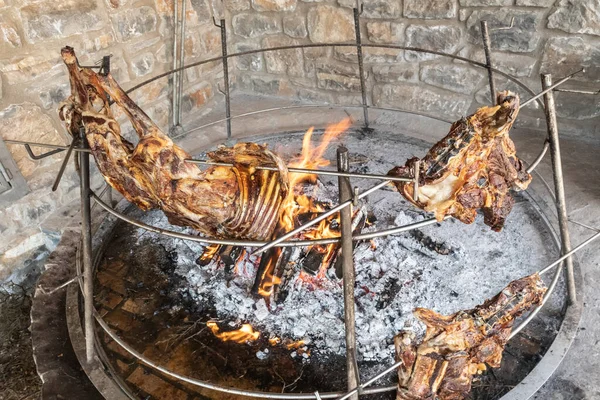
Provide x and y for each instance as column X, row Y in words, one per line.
column 393, row 274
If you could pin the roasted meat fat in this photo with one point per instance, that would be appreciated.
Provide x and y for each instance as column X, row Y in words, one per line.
column 441, row 366
column 473, row 167
column 230, row 202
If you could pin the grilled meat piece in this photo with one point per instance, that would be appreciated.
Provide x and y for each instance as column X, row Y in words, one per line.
column 473, row 167
column 456, row 347
column 233, row 202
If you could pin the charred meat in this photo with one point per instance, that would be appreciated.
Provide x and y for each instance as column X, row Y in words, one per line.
column 456, row 347
column 473, row 167
column 234, row 202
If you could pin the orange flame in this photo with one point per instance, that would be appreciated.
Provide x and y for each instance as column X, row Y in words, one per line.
column 245, row 334
column 295, row 203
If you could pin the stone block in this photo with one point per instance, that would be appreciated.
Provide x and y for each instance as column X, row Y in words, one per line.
column 202, row 11
column 254, row 25
column 430, row 9
column 98, row 42
column 150, row 92
column 381, row 8
column 328, row 24
column 269, row 85
column 211, row 41
column 28, row 122
column 564, row 55
column 535, row 3
column 9, row 34
column 485, row 3
column 237, row 5
column 53, row 93
column 250, row 62
column 274, row 5
column 134, row 22
column 399, row 72
column 385, row 32
column 420, row 99
column 338, row 77
column 59, row 19
column 114, row 4
column 577, row 106
column 454, row 77
column 518, row 65
column 523, row 37
column 444, row 38
column 289, row 62
column 295, row 26
column 143, row 64
column 576, row 16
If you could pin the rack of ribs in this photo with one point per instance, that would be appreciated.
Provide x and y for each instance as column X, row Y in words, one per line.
column 238, row 202
column 456, row 347
column 473, row 167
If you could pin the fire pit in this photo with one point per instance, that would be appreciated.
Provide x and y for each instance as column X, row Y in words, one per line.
column 177, row 318
column 203, row 322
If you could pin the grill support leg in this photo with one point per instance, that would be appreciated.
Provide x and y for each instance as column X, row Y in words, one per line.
column 348, row 272
column 361, row 68
column 487, row 47
column 559, row 189
column 86, row 239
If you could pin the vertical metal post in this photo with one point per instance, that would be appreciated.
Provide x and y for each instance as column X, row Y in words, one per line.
column 417, row 176
column 361, row 68
column 348, row 271
column 226, row 77
column 86, row 239
column 487, row 47
column 181, row 62
column 559, row 189
column 174, row 109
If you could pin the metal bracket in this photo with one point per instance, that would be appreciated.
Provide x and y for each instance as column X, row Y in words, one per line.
column 40, row 156
column 215, row 22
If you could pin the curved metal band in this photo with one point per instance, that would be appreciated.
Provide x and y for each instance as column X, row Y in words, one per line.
column 252, row 243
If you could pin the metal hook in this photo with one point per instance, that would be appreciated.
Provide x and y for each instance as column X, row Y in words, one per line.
column 215, row 22
column 64, row 165
column 41, row 156
column 220, row 91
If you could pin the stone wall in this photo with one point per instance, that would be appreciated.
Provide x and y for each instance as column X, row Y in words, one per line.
column 33, row 81
column 546, row 36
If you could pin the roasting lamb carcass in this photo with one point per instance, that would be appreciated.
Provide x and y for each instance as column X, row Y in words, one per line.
column 456, row 347
column 473, row 167
column 230, row 202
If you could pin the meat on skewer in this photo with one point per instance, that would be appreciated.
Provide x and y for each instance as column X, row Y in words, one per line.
column 456, row 347
column 473, row 167
column 230, row 202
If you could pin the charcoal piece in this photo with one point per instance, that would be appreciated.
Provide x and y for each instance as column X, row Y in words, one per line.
column 429, row 243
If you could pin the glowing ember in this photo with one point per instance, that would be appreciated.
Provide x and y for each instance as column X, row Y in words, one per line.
column 294, row 345
column 274, row 341
column 245, row 334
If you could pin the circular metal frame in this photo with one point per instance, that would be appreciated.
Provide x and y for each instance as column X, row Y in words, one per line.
column 566, row 334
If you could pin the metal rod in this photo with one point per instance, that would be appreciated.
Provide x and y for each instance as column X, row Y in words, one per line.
column 417, row 173
column 310, row 171
column 86, row 239
column 61, row 171
column 371, row 381
column 181, row 61
column 595, row 93
column 348, row 270
column 361, row 68
column 561, row 203
column 571, row 252
column 487, row 47
column 226, row 77
column 539, row 158
column 40, row 156
column 551, row 87
column 174, row 110
column 46, row 145
column 318, row 219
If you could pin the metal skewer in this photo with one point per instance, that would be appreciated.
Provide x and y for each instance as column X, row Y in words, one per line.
column 549, row 88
